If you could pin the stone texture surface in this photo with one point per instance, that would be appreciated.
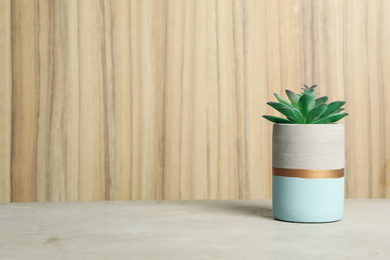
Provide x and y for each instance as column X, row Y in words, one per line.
column 299, row 146
column 188, row 230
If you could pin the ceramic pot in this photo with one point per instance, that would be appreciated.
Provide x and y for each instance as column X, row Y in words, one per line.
column 308, row 172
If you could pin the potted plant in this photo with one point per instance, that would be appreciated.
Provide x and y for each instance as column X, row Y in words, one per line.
column 307, row 158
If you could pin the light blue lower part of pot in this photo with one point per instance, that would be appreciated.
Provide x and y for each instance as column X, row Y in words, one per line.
column 307, row 200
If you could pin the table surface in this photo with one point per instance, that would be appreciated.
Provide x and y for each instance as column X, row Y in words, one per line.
column 233, row 229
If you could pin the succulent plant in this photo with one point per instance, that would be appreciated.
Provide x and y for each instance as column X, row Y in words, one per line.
column 305, row 108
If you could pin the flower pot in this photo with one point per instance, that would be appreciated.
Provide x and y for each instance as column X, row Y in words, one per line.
column 308, row 172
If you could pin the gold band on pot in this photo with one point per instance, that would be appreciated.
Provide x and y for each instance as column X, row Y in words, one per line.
column 308, row 174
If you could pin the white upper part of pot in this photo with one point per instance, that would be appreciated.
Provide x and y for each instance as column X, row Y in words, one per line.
column 308, row 146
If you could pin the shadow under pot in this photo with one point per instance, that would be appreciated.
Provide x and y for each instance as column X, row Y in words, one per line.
column 308, row 172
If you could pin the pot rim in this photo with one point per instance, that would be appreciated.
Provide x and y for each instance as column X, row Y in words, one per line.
column 333, row 125
column 308, row 124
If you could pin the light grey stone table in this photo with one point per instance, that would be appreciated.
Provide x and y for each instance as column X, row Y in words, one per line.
column 188, row 230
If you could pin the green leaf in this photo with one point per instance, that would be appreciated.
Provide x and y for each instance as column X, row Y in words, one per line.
column 293, row 115
column 278, row 120
column 278, row 106
column 332, row 108
column 281, row 108
column 315, row 113
column 293, row 98
column 283, row 101
column 321, row 100
column 306, row 103
column 331, row 119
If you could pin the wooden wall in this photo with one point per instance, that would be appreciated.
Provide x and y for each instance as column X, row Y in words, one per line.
column 163, row 99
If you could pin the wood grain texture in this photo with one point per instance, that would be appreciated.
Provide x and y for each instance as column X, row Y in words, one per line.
column 25, row 101
column 162, row 99
column 5, row 100
column 120, row 177
column 384, row 170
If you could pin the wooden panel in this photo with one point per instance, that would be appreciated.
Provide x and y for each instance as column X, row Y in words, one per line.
column 257, row 93
column 160, row 45
column 5, row 100
column 142, row 99
column 239, row 16
column 120, row 177
column 72, row 102
column 357, row 74
column 172, row 100
column 163, row 99
column 24, row 101
column 385, row 99
column 53, row 88
column 211, row 98
column 227, row 110
column 374, row 18
column 92, row 159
